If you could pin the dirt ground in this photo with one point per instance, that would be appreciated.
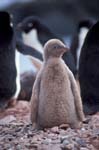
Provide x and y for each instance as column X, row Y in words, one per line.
column 16, row 133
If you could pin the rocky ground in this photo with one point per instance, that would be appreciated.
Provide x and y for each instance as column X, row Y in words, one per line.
column 16, row 133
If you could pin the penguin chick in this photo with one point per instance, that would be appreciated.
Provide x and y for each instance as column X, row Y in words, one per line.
column 9, row 82
column 31, row 26
column 89, row 72
column 55, row 99
column 27, row 80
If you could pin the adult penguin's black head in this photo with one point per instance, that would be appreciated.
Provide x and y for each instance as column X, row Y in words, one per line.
column 33, row 22
column 92, row 38
column 87, row 23
column 6, row 30
column 5, row 20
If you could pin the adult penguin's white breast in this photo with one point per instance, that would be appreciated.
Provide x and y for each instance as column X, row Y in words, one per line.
column 17, row 62
column 82, row 35
column 31, row 39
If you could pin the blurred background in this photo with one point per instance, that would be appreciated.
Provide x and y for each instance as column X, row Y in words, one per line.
column 61, row 16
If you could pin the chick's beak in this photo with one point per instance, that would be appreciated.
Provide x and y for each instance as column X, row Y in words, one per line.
column 64, row 49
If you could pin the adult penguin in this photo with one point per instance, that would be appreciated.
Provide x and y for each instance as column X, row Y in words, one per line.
column 9, row 61
column 89, row 71
column 9, row 79
column 78, row 39
column 35, row 34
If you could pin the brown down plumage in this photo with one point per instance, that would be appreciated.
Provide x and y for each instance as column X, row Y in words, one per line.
column 55, row 98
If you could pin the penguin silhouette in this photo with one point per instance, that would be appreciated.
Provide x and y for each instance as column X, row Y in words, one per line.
column 10, row 47
column 9, row 79
column 35, row 34
column 78, row 39
column 55, row 99
column 89, row 72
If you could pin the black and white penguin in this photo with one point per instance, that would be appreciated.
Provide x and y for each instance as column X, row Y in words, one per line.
column 78, row 39
column 9, row 74
column 89, row 71
column 27, row 50
column 10, row 48
column 35, row 34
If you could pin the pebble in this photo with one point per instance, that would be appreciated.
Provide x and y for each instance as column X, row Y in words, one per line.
column 18, row 147
column 81, row 142
column 62, row 138
column 62, row 132
column 67, row 147
column 83, row 148
column 55, row 141
column 65, row 142
column 63, row 126
column 52, row 136
column 47, row 141
column 8, row 146
column 55, row 130
column 83, row 129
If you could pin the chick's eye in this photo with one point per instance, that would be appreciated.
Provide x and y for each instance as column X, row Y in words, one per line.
column 55, row 46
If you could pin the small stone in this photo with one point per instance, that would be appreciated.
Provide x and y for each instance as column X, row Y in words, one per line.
column 36, row 139
column 35, row 146
column 65, row 142
column 30, row 135
column 33, row 142
column 55, row 130
column 81, row 142
column 86, row 121
column 63, row 126
column 83, row 129
column 47, row 141
column 8, row 146
column 64, row 138
column 22, row 138
column 96, row 132
column 29, row 145
column 83, row 148
column 67, row 147
column 55, row 141
column 18, row 147
column 52, row 136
